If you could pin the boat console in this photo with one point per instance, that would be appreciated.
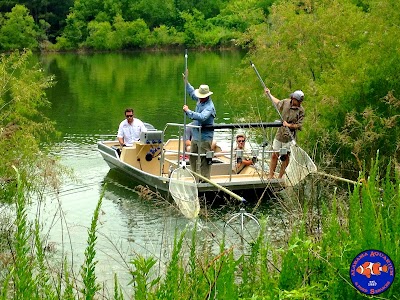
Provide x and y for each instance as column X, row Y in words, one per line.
column 151, row 137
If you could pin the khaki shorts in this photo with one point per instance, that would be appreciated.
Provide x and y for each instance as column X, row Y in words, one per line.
column 277, row 145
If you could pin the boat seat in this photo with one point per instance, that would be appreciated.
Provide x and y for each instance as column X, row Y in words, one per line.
column 128, row 154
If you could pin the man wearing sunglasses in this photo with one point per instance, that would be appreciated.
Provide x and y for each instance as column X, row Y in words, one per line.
column 244, row 159
column 129, row 129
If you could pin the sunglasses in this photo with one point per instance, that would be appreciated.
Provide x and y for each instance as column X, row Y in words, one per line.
column 129, row 116
column 241, row 141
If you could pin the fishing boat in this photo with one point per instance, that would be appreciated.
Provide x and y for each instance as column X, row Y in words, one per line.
column 153, row 158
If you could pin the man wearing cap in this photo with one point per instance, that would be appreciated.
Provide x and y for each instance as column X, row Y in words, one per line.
column 204, row 114
column 292, row 120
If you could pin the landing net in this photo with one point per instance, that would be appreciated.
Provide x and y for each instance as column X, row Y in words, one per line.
column 183, row 189
column 300, row 165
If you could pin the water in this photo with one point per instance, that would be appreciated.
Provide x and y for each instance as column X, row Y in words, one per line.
column 88, row 103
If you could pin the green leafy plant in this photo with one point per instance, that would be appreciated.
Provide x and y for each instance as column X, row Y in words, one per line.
column 88, row 269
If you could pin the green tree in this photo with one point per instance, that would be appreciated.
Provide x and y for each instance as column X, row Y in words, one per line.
column 166, row 36
column 344, row 62
column 18, row 30
column 131, row 34
column 52, row 12
column 99, row 35
column 23, row 127
column 75, row 32
column 156, row 12
column 209, row 8
column 240, row 15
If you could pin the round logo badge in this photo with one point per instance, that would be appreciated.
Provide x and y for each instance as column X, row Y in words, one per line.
column 372, row 272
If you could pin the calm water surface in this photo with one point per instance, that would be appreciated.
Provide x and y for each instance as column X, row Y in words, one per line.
column 88, row 104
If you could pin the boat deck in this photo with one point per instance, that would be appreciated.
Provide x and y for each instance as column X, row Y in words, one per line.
column 153, row 160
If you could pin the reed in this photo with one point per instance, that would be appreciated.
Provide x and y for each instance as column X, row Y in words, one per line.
column 311, row 264
column 68, row 290
column 118, row 295
column 172, row 287
column 88, row 269
column 367, row 220
column 142, row 277
column 43, row 279
column 22, row 274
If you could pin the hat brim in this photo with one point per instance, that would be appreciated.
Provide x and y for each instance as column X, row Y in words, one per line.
column 198, row 95
column 295, row 97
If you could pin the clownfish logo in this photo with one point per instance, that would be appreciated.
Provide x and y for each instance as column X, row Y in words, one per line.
column 372, row 272
column 369, row 268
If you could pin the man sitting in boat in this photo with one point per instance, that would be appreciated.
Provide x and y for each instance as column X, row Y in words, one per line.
column 129, row 129
column 241, row 153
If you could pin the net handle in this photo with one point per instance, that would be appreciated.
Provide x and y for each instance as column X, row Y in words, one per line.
column 272, row 101
column 230, row 193
column 185, row 101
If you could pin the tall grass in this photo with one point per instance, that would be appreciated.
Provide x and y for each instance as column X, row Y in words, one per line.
column 312, row 264
column 27, row 272
column 88, row 271
column 22, row 272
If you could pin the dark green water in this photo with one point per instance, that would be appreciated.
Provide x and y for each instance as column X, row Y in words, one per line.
column 88, row 104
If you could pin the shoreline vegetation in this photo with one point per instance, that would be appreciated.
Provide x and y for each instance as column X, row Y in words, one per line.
column 313, row 261
column 92, row 25
column 343, row 54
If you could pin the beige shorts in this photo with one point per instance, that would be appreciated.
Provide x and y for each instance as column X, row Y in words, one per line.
column 277, row 145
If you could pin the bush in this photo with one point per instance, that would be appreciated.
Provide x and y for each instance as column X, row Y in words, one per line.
column 18, row 30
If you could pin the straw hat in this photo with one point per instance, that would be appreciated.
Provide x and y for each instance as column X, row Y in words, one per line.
column 203, row 91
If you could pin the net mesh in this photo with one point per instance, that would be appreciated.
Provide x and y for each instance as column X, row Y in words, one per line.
column 299, row 167
column 183, row 189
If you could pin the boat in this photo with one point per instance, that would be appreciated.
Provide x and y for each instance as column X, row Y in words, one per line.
column 153, row 158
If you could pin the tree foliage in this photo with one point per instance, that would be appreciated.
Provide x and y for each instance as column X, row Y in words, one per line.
column 342, row 53
column 79, row 24
column 18, row 30
column 23, row 127
column 344, row 58
column 51, row 12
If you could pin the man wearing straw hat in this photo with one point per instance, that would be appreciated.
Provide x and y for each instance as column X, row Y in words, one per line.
column 204, row 114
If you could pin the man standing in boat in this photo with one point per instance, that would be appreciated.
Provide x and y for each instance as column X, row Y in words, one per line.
column 292, row 117
column 204, row 114
column 129, row 129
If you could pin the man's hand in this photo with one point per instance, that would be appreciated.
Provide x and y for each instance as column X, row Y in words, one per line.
column 185, row 108
column 185, row 75
column 288, row 125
